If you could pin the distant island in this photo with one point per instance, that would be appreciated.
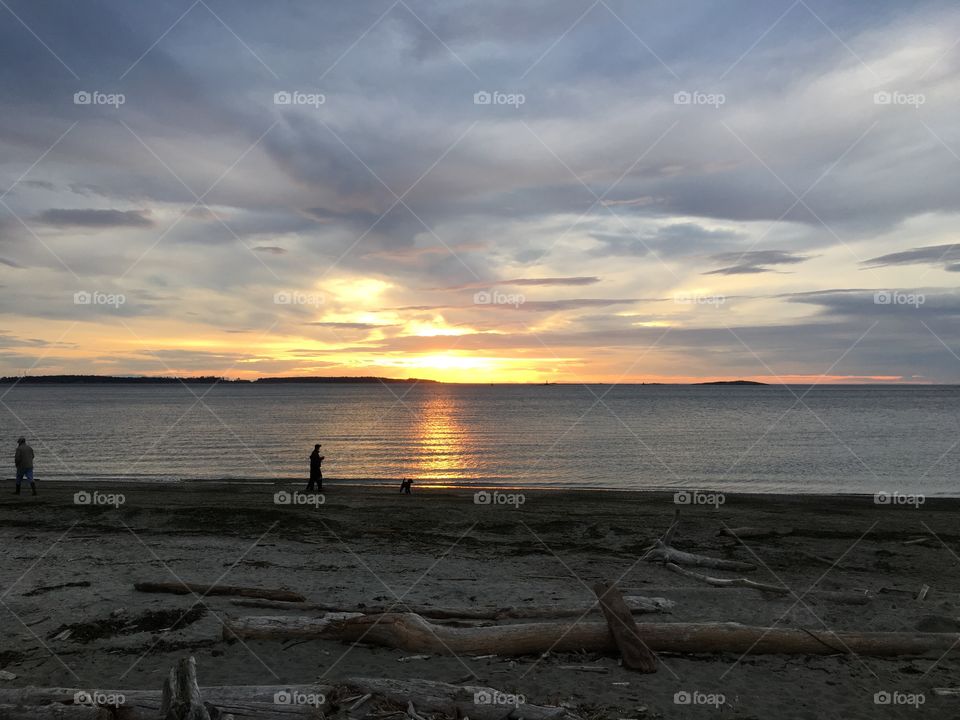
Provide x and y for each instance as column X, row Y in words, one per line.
column 732, row 382
column 205, row 379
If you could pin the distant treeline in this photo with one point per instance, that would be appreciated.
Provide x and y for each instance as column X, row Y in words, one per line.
column 205, row 379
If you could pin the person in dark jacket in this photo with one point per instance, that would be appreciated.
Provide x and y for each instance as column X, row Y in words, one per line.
column 23, row 459
column 316, row 476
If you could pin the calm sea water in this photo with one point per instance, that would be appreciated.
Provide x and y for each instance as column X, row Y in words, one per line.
column 761, row 439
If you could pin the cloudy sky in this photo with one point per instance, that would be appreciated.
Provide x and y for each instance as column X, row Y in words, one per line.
column 481, row 191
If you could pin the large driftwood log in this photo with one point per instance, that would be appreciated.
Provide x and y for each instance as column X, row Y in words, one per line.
column 185, row 588
column 413, row 634
column 636, row 603
column 633, row 650
column 53, row 712
column 260, row 702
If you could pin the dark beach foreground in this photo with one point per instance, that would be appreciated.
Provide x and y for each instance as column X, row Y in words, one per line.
column 71, row 564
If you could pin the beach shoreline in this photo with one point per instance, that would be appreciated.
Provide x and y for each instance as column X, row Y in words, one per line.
column 75, row 565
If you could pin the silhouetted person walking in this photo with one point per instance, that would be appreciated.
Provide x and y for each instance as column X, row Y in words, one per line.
column 316, row 476
column 405, row 486
column 23, row 459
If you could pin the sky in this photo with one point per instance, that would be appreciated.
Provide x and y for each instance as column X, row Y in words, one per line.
column 563, row 191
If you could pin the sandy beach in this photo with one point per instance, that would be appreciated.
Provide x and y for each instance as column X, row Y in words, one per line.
column 71, row 566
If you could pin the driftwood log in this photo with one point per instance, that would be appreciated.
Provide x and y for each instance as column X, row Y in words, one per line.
column 182, row 695
column 185, row 588
column 633, row 650
column 54, row 712
column 636, row 604
column 663, row 551
column 412, row 633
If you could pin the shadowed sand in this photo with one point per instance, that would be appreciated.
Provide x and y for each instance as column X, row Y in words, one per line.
column 75, row 565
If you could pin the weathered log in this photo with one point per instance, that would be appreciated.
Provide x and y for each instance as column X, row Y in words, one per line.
column 412, row 633
column 53, row 712
column 636, row 603
column 847, row 597
column 268, row 702
column 663, row 551
column 185, row 588
column 181, row 699
column 729, row 582
column 667, row 554
column 633, row 650
column 476, row 702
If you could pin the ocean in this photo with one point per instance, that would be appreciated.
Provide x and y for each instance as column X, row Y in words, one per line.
column 769, row 439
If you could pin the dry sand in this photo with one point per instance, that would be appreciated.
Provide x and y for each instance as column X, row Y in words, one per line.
column 369, row 546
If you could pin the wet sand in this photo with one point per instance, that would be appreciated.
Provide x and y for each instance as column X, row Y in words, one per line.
column 368, row 547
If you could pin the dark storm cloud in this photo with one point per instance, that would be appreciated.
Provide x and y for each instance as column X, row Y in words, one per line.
column 947, row 256
column 88, row 218
column 754, row 261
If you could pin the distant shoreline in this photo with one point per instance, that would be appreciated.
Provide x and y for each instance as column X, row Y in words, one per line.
column 372, row 379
